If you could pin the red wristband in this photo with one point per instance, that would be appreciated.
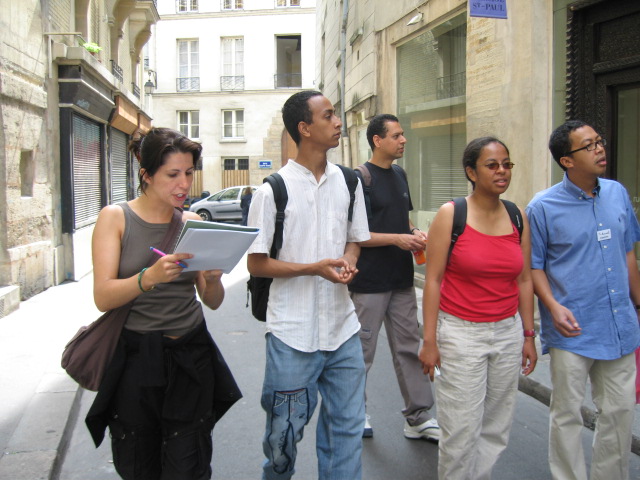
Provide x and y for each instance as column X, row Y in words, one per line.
column 530, row 333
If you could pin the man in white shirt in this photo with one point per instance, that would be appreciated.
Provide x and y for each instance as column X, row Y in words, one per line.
column 312, row 328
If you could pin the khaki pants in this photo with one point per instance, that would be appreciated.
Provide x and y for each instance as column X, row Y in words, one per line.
column 613, row 392
column 476, row 393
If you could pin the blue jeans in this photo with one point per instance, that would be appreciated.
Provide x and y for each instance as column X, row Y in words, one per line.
column 289, row 397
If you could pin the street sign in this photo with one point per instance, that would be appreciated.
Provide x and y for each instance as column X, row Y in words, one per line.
column 488, row 8
column 264, row 163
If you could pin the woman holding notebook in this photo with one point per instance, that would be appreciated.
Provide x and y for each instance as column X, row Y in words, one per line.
column 168, row 383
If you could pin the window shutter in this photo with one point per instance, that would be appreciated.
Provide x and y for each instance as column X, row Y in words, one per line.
column 119, row 161
column 86, row 171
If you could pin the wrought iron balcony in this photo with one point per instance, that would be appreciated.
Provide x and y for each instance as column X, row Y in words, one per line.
column 287, row 80
column 188, row 84
column 232, row 82
column 451, row 86
column 116, row 71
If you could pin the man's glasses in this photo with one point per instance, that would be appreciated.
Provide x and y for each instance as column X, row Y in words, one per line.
column 496, row 165
column 589, row 148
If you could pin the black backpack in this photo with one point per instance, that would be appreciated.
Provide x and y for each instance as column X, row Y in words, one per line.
column 460, row 218
column 258, row 287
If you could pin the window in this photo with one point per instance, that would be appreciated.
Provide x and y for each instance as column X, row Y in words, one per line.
column 287, row 3
column 431, row 74
column 187, row 6
column 233, row 123
column 236, row 164
column 289, row 61
column 188, row 66
column 232, row 64
column 189, row 123
column 232, row 4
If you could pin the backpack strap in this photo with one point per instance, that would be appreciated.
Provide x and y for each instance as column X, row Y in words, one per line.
column 365, row 176
column 280, row 197
column 515, row 215
column 352, row 183
column 459, row 220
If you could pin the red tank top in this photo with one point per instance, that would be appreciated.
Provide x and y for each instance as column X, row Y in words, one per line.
column 480, row 281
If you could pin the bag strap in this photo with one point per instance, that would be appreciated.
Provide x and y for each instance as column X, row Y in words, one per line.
column 280, row 197
column 515, row 215
column 168, row 242
column 365, row 175
column 352, row 183
column 460, row 218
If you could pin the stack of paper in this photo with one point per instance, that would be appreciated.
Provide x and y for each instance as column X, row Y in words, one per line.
column 214, row 245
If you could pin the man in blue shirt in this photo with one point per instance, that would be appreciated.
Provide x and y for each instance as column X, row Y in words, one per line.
column 585, row 275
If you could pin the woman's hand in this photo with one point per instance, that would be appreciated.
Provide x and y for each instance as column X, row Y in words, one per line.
column 211, row 276
column 430, row 357
column 165, row 270
column 529, row 355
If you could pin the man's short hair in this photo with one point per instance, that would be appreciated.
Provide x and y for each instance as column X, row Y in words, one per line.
column 378, row 126
column 295, row 110
column 559, row 141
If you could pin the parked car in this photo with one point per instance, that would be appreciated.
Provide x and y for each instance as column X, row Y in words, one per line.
column 191, row 200
column 222, row 206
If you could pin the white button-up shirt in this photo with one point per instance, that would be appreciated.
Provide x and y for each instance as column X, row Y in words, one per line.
column 309, row 313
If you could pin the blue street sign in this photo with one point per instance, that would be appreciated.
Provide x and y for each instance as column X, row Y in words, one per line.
column 488, row 8
column 264, row 163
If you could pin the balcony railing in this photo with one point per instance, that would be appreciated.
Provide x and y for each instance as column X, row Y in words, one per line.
column 232, row 82
column 287, row 80
column 188, row 84
column 116, row 71
column 451, row 86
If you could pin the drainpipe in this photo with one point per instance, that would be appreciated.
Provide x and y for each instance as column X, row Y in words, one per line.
column 346, row 151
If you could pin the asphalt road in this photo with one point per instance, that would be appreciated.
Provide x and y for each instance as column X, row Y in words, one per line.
column 388, row 455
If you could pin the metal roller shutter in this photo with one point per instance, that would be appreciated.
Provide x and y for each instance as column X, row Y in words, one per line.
column 119, row 164
column 86, row 171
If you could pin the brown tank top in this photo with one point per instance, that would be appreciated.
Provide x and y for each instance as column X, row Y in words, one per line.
column 171, row 308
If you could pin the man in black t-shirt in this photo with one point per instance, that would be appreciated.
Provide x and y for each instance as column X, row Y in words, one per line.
column 383, row 289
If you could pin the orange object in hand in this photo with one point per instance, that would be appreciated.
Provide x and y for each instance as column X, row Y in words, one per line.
column 419, row 257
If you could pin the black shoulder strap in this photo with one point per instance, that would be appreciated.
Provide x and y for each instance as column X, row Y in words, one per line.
column 280, row 197
column 459, row 220
column 352, row 183
column 515, row 215
column 365, row 176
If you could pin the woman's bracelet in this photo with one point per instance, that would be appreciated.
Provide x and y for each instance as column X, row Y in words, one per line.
column 414, row 229
column 140, row 281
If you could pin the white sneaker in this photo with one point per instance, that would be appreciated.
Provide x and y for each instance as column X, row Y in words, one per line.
column 368, row 431
column 428, row 430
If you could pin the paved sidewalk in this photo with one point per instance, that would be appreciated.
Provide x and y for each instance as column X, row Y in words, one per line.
column 38, row 398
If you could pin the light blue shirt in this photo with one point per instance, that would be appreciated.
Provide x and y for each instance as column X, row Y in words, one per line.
column 581, row 243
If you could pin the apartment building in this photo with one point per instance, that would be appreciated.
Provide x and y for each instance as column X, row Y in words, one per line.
column 70, row 98
column 221, row 71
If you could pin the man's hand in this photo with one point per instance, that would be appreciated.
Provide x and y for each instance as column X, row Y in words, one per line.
column 336, row 270
column 408, row 241
column 565, row 322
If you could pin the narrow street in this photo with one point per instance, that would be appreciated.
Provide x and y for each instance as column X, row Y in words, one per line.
column 237, row 453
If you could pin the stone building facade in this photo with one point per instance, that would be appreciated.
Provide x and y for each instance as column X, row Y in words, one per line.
column 224, row 69
column 67, row 111
column 452, row 77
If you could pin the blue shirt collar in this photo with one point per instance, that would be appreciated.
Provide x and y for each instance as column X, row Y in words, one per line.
column 577, row 192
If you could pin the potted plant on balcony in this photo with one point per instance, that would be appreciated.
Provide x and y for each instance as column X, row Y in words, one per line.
column 92, row 47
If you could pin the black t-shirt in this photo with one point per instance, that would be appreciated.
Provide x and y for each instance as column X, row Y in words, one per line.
column 386, row 268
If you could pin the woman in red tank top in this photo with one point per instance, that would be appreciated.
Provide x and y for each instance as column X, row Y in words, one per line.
column 478, row 317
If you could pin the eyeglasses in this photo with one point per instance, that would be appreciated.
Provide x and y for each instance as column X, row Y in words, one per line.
column 591, row 147
column 496, row 165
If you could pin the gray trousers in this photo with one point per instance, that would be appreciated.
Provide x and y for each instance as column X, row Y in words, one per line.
column 399, row 312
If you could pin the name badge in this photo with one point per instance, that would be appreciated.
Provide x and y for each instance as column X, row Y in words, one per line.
column 604, row 234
